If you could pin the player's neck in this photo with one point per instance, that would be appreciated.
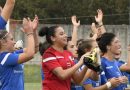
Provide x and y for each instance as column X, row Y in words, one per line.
column 58, row 48
column 3, row 50
column 109, row 56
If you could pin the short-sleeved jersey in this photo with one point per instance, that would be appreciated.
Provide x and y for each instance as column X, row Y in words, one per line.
column 103, row 78
column 120, row 63
column 92, row 82
column 73, row 85
column 2, row 23
column 51, row 60
column 11, row 73
column 111, row 70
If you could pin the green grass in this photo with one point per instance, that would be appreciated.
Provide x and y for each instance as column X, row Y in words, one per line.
column 32, row 74
column 33, row 86
column 32, row 77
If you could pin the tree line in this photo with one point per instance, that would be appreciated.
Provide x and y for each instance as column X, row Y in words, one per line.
column 60, row 11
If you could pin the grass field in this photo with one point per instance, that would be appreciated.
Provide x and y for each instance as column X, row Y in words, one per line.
column 32, row 86
column 32, row 74
column 32, row 77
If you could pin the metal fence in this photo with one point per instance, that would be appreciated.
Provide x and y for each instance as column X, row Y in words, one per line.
column 123, row 31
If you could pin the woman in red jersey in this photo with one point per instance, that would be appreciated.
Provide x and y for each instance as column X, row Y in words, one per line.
column 58, row 66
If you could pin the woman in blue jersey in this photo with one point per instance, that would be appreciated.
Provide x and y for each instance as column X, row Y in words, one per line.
column 11, row 61
column 120, row 63
column 93, row 81
column 110, row 45
column 6, row 12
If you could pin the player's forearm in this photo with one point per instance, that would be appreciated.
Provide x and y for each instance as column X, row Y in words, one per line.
column 36, row 41
column 7, row 10
column 74, row 35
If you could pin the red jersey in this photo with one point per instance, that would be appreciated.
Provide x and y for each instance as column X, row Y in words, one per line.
column 51, row 60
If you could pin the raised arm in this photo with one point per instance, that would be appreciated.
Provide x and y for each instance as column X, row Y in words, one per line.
column 99, row 20
column 95, row 31
column 75, row 28
column 35, row 34
column 30, row 51
column 7, row 10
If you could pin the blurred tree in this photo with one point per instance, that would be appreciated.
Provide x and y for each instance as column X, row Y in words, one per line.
column 116, row 11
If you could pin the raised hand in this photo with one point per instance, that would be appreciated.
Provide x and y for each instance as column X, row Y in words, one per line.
column 7, row 9
column 74, row 21
column 35, row 23
column 99, row 17
column 27, row 25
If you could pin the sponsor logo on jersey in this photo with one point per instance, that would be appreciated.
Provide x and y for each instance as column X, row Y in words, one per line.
column 109, row 67
column 71, row 58
column 18, row 71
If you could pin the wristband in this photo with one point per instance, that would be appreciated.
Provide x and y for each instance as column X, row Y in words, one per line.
column 108, row 85
column 100, row 25
column 30, row 34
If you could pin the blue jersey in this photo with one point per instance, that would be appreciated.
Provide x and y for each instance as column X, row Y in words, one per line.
column 2, row 23
column 111, row 70
column 103, row 78
column 75, row 86
column 127, row 74
column 92, row 82
column 11, row 73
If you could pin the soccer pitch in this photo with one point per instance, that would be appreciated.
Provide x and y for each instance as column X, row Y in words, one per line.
column 33, row 86
column 32, row 77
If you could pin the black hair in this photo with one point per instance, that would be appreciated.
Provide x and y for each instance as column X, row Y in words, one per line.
column 105, row 40
column 48, row 31
column 43, row 47
column 84, row 44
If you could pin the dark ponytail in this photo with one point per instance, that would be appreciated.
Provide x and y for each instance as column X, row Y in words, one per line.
column 43, row 31
column 43, row 47
column 48, row 32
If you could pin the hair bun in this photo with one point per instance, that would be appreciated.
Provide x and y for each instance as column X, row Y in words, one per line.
column 43, row 31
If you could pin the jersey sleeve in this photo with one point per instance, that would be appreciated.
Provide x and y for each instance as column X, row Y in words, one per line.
column 103, row 78
column 19, row 51
column 87, row 81
column 2, row 23
column 10, row 59
column 50, row 61
column 103, row 65
column 120, row 63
